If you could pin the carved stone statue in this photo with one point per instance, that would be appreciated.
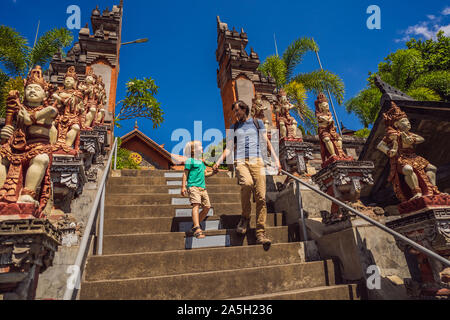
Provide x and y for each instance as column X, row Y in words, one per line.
column 286, row 123
column 102, row 99
column 258, row 108
column 330, row 141
column 90, row 92
column 411, row 175
column 70, row 105
column 27, row 152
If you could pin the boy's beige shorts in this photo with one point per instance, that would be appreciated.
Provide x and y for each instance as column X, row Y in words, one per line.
column 199, row 195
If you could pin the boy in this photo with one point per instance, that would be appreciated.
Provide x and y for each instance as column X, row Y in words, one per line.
column 194, row 185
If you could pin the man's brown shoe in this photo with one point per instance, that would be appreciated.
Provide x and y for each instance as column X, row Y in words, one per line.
column 242, row 225
column 262, row 239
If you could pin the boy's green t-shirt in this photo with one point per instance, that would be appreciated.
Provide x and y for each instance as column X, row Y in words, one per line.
column 196, row 177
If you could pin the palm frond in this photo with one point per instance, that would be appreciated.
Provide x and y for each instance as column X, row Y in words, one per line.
column 276, row 68
column 321, row 81
column 47, row 45
column 293, row 55
column 13, row 48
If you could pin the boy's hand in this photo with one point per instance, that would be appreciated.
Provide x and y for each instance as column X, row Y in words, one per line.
column 183, row 191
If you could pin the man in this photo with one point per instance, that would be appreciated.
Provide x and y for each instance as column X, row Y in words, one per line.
column 250, row 168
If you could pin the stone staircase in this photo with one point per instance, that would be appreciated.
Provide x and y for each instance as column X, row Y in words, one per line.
column 150, row 253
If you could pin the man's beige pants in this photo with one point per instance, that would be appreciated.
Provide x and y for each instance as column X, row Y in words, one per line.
column 252, row 176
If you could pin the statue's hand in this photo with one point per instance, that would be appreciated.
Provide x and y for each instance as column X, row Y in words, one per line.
column 25, row 116
column 391, row 153
column 409, row 139
column 6, row 132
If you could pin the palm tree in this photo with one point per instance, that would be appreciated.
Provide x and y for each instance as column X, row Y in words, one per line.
column 298, row 85
column 17, row 57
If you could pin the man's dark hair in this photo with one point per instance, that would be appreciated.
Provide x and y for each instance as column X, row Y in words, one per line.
column 241, row 104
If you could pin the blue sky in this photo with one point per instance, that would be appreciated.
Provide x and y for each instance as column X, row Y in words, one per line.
column 180, row 54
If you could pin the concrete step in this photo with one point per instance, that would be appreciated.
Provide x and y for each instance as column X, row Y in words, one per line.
column 166, row 224
column 221, row 284
column 167, row 181
column 151, row 242
column 161, row 173
column 338, row 292
column 151, row 189
column 151, row 264
column 167, row 210
column 162, row 198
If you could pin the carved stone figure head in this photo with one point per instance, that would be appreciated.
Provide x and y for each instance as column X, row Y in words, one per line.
column 403, row 125
column 71, row 78
column 322, row 103
column 90, row 77
column 35, row 87
column 395, row 117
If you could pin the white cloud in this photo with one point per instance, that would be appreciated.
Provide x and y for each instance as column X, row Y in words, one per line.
column 428, row 29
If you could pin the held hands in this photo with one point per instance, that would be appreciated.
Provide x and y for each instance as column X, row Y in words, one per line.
column 215, row 168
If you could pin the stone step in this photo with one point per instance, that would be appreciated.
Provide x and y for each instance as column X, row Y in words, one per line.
column 167, row 181
column 167, row 210
column 151, row 242
column 162, row 198
column 170, row 224
column 151, row 189
column 151, row 264
column 213, row 285
column 161, row 173
column 337, row 292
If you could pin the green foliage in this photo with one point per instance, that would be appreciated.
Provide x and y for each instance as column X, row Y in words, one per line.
column 49, row 44
column 140, row 101
column 297, row 86
column 434, row 53
column 421, row 71
column 362, row 105
column 276, row 68
column 6, row 85
column 293, row 55
column 13, row 51
column 17, row 58
column 123, row 158
column 438, row 81
column 363, row 133
column 424, row 94
column 321, row 81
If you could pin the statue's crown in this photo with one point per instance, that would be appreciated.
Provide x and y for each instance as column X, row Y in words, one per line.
column 282, row 92
column 35, row 77
column 71, row 73
column 320, row 99
column 393, row 115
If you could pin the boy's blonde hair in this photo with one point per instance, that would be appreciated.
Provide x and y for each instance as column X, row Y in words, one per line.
column 193, row 149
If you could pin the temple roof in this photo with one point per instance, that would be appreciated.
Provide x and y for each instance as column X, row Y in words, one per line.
column 149, row 142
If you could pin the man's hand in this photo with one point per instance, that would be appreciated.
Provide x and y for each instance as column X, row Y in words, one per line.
column 183, row 191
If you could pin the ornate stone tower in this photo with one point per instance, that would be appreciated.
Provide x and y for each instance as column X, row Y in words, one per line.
column 98, row 51
column 237, row 76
